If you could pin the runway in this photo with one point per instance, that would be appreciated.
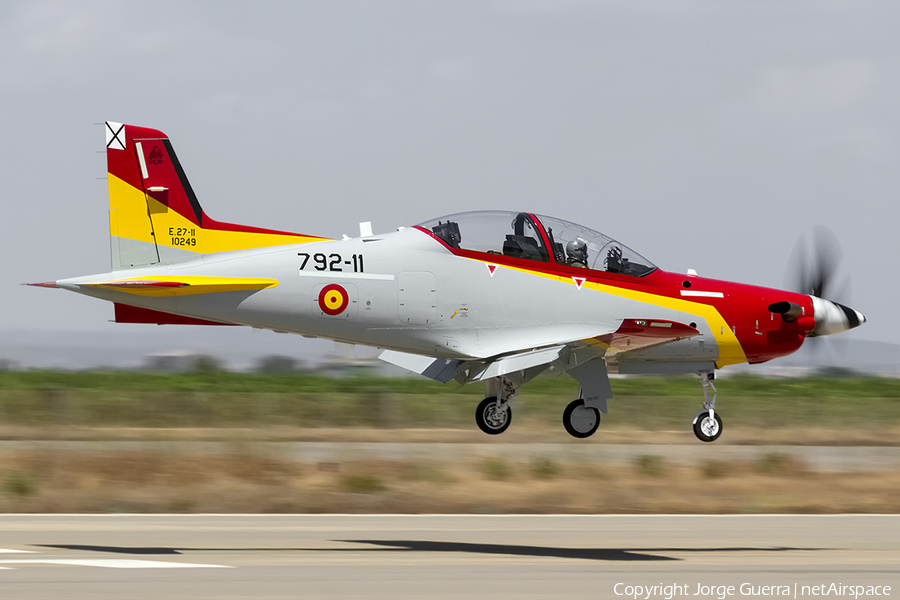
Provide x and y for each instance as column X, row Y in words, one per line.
column 439, row 556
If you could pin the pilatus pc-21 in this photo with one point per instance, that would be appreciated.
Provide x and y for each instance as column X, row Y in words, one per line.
column 497, row 297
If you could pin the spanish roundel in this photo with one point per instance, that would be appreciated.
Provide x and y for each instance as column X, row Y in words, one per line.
column 333, row 299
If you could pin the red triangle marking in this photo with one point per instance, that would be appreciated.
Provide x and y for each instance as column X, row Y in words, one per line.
column 491, row 268
column 579, row 281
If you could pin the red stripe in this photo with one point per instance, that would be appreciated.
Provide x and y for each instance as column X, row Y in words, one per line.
column 162, row 284
column 551, row 252
column 134, row 314
column 212, row 224
column 46, row 284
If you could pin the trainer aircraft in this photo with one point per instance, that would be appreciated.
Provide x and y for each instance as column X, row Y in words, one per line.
column 496, row 297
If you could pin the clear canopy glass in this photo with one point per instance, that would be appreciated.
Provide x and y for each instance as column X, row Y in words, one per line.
column 540, row 238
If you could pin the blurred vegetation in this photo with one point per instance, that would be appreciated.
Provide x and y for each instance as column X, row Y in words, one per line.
column 650, row 465
column 545, row 468
column 364, row 484
column 496, row 469
column 221, row 399
column 18, row 484
column 258, row 480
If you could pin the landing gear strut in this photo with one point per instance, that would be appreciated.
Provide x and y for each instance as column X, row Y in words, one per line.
column 579, row 420
column 708, row 424
column 494, row 414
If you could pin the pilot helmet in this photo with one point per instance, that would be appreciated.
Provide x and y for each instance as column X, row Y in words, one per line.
column 577, row 250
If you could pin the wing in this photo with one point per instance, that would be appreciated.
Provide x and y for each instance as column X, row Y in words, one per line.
column 631, row 335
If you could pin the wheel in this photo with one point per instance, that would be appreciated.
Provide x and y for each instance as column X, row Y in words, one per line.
column 490, row 419
column 706, row 429
column 579, row 420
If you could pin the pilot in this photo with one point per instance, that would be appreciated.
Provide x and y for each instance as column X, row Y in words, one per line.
column 577, row 253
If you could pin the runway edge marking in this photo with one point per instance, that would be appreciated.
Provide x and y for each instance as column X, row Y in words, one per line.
column 114, row 563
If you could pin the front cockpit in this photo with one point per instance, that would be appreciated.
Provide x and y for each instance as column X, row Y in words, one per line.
column 538, row 238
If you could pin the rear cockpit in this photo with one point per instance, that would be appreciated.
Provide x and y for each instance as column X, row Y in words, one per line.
column 539, row 238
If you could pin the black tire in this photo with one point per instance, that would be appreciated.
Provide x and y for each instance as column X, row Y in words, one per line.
column 579, row 420
column 490, row 420
column 704, row 429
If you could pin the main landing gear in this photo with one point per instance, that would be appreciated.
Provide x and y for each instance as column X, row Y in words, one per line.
column 494, row 413
column 579, row 420
column 493, row 416
column 707, row 423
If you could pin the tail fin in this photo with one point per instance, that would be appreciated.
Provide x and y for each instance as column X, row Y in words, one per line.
column 154, row 216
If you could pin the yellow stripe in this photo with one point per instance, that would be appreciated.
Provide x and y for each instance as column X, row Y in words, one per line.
column 131, row 220
column 730, row 350
column 598, row 343
column 195, row 285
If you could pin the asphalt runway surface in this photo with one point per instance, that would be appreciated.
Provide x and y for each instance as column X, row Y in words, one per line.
column 442, row 556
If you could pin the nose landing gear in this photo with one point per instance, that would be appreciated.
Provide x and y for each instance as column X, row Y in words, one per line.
column 708, row 424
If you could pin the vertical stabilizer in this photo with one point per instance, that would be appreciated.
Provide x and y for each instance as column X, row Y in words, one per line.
column 131, row 236
column 154, row 215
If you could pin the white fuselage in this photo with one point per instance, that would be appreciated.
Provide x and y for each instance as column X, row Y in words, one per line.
column 408, row 293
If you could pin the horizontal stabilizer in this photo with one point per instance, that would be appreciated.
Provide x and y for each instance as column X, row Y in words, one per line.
column 184, row 285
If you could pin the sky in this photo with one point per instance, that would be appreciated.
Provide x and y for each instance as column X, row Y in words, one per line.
column 703, row 134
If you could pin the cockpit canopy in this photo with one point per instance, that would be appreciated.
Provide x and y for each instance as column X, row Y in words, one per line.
column 539, row 238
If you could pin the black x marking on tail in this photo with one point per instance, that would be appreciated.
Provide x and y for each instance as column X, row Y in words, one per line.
column 115, row 137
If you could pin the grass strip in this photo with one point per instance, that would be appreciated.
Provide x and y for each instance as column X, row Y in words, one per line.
column 212, row 400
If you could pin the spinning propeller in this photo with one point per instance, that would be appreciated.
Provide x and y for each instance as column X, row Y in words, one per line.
column 815, row 269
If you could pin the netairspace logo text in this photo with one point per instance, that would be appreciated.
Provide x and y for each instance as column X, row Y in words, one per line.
column 721, row 592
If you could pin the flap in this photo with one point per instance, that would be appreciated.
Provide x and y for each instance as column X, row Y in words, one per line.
column 439, row 369
column 518, row 362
